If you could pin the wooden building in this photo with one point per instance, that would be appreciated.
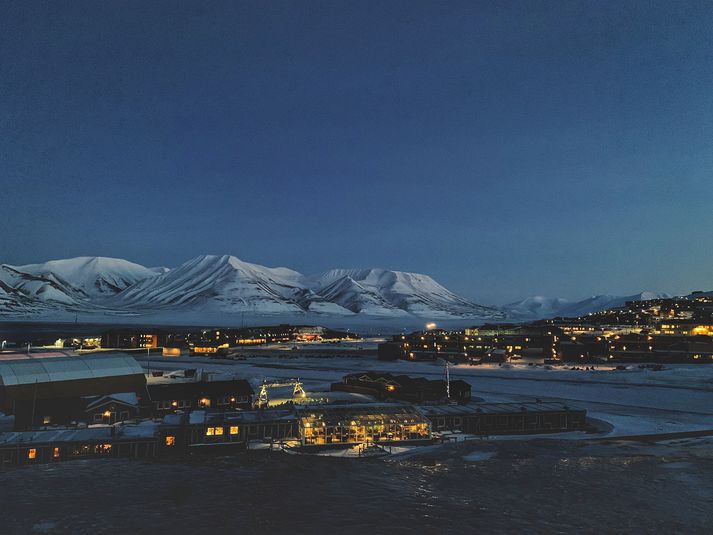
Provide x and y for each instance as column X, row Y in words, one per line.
column 169, row 395
column 225, row 429
column 35, row 447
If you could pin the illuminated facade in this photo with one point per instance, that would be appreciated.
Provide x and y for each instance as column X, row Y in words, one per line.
column 362, row 424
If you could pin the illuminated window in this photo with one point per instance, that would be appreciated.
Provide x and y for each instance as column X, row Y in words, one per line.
column 234, row 430
column 210, row 431
column 218, row 430
column 47, row 420
column 170, row 441
column 55, row 453
column 32, row 453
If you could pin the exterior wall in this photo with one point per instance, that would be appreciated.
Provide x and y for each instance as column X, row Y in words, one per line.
column 511, row 423
column 95, row 386
column 228, row 402
column 65, row 451
column 177, row 437
column 377, row 431
column 110, row 413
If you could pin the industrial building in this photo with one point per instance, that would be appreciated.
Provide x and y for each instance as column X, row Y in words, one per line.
column 56, row 388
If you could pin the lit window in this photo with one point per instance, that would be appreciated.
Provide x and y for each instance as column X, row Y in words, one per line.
column 46, row 420
column 234, row 430
column 55, row 453
column 170, row 441
column 210, row 431
column 32, row 453
column 218, row 430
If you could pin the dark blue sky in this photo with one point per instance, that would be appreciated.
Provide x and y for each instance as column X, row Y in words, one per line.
column 506, row 148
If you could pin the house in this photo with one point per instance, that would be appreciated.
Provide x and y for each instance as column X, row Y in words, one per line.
column 111, row 408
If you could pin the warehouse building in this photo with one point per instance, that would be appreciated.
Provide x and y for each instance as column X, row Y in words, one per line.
column 55, row 388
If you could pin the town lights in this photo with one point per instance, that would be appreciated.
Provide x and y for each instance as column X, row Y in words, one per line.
column 430, row 326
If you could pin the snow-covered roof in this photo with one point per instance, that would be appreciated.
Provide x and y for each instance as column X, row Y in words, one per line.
column 41, row 369
column 127, row 398
column 143, row 430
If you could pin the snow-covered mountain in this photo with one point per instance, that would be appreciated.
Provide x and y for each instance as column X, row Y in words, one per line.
column 539, row 307
column 229, row 285
column 216, row 286
column 352, row 296
column 93, row 277
column 598, row 303
column 382, row 292
column 24, row 294
column 536, row 307
column 220, row 285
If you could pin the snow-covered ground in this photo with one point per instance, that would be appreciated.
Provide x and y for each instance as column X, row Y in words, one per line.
column 633, row 401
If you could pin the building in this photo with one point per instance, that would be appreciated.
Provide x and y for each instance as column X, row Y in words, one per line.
column 132, row 339
column 684, row 328
column 196, row 390
column 110, row 409
column 361, row 423
column 505, row 418
column 384, row 386
column 226, row 429
column 56, row 445
column 390, row 351
column 51, row 388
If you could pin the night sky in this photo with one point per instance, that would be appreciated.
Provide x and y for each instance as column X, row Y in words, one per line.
column 505, row 148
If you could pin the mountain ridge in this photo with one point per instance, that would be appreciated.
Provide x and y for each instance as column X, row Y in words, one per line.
column 225, row 284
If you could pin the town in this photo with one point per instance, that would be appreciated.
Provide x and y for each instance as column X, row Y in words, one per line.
column 148, row 392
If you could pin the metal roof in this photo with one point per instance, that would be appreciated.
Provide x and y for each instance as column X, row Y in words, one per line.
column 40, row 369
